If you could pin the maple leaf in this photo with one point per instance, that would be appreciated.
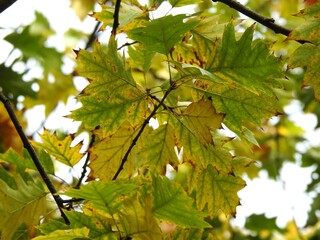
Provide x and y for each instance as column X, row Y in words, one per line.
column 309, row 30
column 201, row 118
column 156, row 148
column 106, row 155
column 138, row 222
column 217, row 191
column 107, row 197
column 196, row 153
column 112, row 95
column 75, row 233
column 171, row 203
column 60, row 149
column 161, row 34
column 17, row 204
column 242, row 62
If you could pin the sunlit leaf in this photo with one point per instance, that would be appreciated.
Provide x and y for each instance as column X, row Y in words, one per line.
column 68, row 234
column 60, row 149
column 171, row 203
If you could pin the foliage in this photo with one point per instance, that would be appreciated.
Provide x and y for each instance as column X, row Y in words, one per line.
column 160, row 166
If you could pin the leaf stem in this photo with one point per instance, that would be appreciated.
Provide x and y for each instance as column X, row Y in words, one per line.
column 145, row 123
column 84, row 167
column 27, row 145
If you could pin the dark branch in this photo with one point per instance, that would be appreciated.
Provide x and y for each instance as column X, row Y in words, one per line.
column 33, row 155
column 4, row 4
column 93, row 35
column 268, row 22
column 116, row 18
column 145, row 123
column 84, row 168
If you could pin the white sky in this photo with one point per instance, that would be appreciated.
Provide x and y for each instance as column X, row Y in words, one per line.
column 283, row 199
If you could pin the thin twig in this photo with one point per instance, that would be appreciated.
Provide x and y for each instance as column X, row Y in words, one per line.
column 93, row 35
column 145, row 123
column 27, row 145
column 84, row 167
column 268, row 22
column 116, row 18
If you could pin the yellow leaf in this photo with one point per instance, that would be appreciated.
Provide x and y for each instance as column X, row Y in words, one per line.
column 201, row 118
column 110, row 151
column 60, row 149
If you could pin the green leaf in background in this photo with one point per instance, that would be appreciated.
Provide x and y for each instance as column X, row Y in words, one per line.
column 161, row 34
column 171, row 203
column 11, row 83
column 25, row 204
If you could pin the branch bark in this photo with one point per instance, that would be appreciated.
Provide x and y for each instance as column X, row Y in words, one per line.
column 27, row 145
column 268, row 22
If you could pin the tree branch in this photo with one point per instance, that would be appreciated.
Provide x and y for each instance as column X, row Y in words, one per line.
column 33, row 155
column 145, row 123
column 268, row 22
column 4, row 4
column 84, row 167
column 116, row 18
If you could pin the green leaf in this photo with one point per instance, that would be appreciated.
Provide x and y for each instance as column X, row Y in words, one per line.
column 238, row 104
column 161, row 34
column 171, row 203
column 310, row 29
column 216, row 191
column 242, row 62
column 107, row 154
column 157, row 148
column 68, row 234
column 60, row 149
column 261, row 222
column 308, row 55
column 112, row 95
column 22, row 205
column 182, row 3
column 107, row 197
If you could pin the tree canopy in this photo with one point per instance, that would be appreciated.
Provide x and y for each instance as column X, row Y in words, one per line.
column 160, row 94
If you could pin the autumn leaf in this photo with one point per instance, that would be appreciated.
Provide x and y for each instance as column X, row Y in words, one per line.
column 171, row 203
column 108, row 153
column 60, row 149
column 75, row 233
column 106, row 197
column 23, row 205
column 112, row 95
column 156, row 148
column 161, row 34
column 217, row 192
column 201, row 118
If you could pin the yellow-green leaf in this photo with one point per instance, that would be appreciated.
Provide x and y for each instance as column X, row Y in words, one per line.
column 60, row 149
column 201, row 118
column 67, row 234
column 112, row 95
column 171, row 203
column 107, row 155
column 23, row 205
column 156, row 148
column 217, row 191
